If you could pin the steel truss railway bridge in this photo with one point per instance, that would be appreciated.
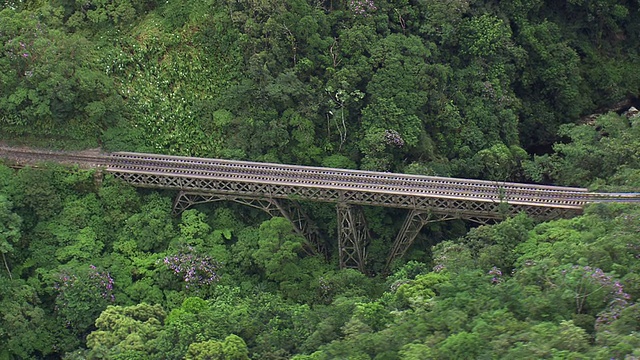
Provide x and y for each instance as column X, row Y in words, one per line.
column 277, row 189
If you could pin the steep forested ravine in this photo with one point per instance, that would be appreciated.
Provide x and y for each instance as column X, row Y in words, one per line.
column 467, row 88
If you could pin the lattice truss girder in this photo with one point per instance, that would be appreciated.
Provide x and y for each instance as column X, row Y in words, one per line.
column 471, row 209
column 290, row 210
column 413, row 223
column 352, row 237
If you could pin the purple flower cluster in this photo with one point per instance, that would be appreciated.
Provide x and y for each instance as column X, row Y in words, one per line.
column 440, row 261
column 529, row 263
column 392, row 137
column 104, row 282
column 634, row 248
column 396, row 285
column 97, row 282
column 618, row 299
column 438, row 268
column 25, row 54
column 67, row 281
column 362, row 7
column 195, row 269
column 22, row 52
column 497, row 275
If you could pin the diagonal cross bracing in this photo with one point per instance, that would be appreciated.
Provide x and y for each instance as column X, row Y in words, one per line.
column 352, row 237
column 465, row 208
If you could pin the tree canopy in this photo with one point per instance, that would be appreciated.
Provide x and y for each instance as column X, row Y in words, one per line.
column 480, row 89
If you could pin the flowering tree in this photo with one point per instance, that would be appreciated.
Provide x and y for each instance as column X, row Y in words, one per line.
column 82, row 294
column 362, row 7
column 195, row 270
column 392, row 137
column 497, row 275
column 592, row 285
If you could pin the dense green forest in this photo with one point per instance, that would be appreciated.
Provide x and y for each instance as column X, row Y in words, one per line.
column 94, row 269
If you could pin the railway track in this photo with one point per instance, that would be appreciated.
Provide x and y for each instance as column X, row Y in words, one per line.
column 26, row 156
column 127, row 165
column 356, row 180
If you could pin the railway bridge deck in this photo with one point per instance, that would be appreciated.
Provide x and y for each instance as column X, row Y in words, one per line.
column 276, row 189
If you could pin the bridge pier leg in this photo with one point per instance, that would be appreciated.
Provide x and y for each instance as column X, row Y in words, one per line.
column 413, row 223
column 352, row 237
column 183, row 201
column 290, row 210
column 302, row 225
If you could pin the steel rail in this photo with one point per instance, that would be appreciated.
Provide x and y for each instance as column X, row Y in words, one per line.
column 32, row 156
column 227, row 165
